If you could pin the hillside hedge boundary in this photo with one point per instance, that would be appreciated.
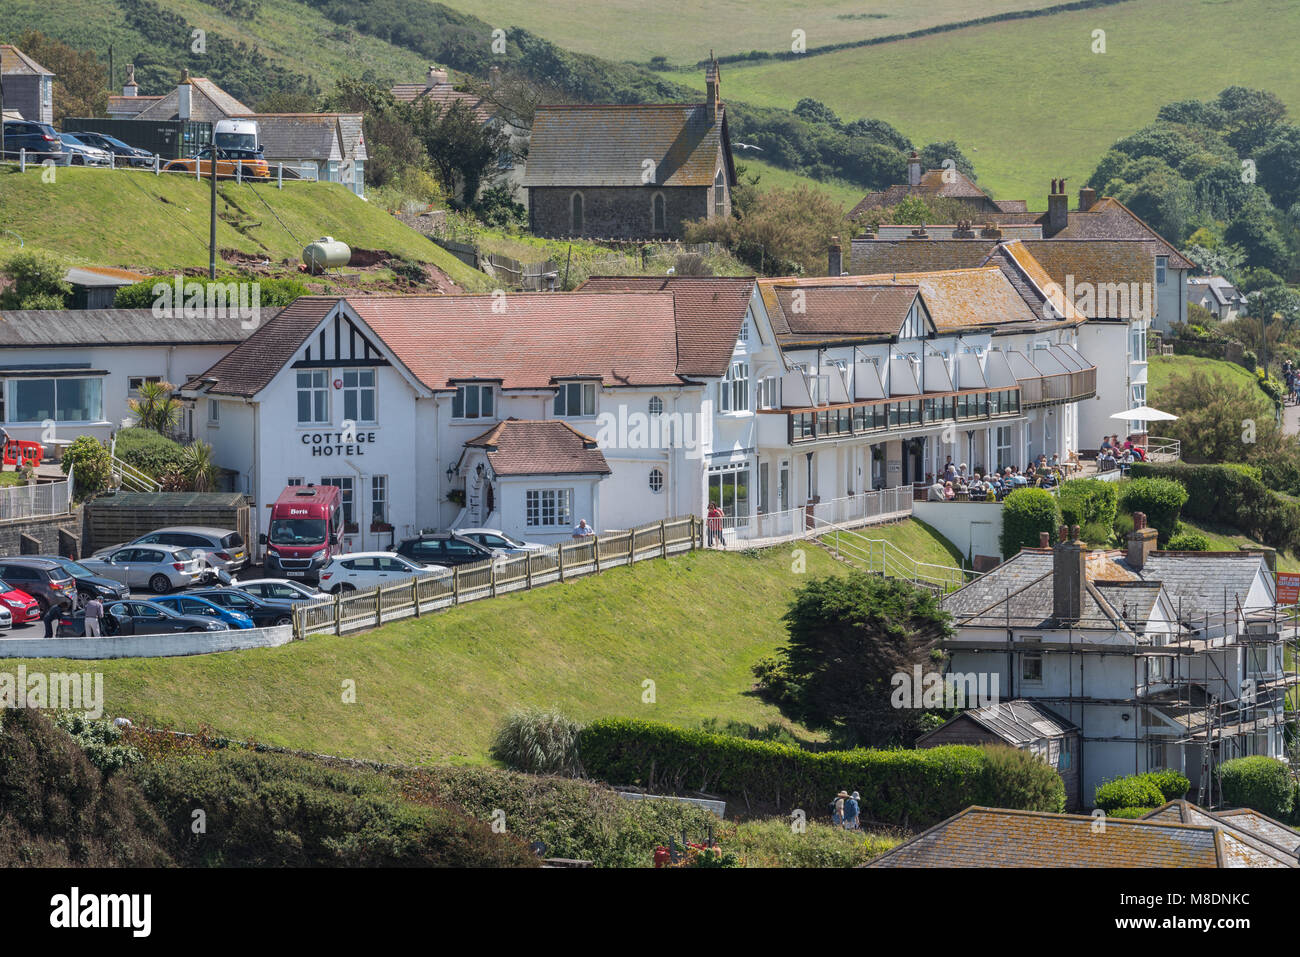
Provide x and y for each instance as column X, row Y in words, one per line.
column 1230, row 495
column 899, row 788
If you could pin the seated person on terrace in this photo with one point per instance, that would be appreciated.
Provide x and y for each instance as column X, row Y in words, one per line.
column 935, row 493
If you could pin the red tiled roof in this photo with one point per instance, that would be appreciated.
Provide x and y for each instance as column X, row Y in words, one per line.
column 624, row 339
column 995, row 837
column 709, row 311
column 442, row 95
column 540, row 447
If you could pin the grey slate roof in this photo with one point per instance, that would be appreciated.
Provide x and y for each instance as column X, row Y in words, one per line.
column 1202, row 581
column 208, row 103
column 1018, row 722
column 1246, row 843
column 50, row 328
column 608, row 144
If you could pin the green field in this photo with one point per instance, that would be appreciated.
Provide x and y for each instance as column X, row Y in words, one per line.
column 433, row 690
column 1225, row 538
column 685, row 33
column 134, row 219
column 1028, row 100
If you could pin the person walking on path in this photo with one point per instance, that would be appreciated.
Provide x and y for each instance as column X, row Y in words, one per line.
column 851, row 810
column 837, row 809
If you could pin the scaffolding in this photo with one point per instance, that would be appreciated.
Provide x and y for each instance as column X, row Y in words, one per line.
column 1180, row 676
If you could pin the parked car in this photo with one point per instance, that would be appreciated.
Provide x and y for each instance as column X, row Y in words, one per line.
column 228, row 161
column 89, row 585
column 40, row 140
column 279, row 589
column 41, row 578
column 443, row 548
column 124, row 153
column 137, row 617
column 21, row 606
column 498, row 540
column 264, row 613
column 6, row 619
column 361, row 570
column 188, row 604
column 83, row 154
column 223, row 548
column 160, row 568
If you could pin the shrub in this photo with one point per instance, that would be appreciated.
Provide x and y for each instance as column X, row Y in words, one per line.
column 1188, row 542
column 538, row 742
column 90, row 465
column 1088, row 501
column 1257, row 782
column 1026, row 512
column 1136, row 790
column 38, row 282
column 905, row 788
column 150, row 452
column 771, row 842
column 1160, row 498
column 1234, row 496
column 1172, row 784
column 1129, row 813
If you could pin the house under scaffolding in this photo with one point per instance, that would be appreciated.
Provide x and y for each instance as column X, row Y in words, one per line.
column 1163, row 659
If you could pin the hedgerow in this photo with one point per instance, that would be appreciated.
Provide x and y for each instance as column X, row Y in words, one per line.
column 906, row 788
column 1257, row 782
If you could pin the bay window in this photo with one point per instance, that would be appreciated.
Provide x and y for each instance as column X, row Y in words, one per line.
column 548, row 507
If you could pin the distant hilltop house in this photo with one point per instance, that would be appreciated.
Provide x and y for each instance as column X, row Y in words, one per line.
column 326, row 146
column 28, row 86
column 1216, row 294
column 438, row 90
column 629, row 171
column 936, row 184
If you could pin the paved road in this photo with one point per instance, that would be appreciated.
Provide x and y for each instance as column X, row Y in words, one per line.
column 1291, row 419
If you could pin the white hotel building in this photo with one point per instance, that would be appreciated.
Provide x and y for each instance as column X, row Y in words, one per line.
column 639, row 398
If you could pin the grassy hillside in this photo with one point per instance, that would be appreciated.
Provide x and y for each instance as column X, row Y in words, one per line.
column 160, row 223
column 1162, row 369
column 434, row 690
column 1028, row 100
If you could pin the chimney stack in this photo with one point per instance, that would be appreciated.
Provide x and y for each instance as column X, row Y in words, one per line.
column 183, row 90
column 1087, row 197
column 1058, row 209
column 914, row 169
column 712, row 83
column 1141, row 542
column 130, row 89
column 1044, row 539
column 1069, row 575
column 835, row 258
column 494, row 77
column 435, row 76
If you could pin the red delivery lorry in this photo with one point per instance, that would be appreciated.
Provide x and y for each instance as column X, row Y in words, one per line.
column 305, row 532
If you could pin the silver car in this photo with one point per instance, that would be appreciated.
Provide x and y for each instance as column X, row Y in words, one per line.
column 160, row 568
column 279, row 589
column 222, row 548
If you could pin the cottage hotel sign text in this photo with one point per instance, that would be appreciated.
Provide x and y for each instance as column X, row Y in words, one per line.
column 346, row 442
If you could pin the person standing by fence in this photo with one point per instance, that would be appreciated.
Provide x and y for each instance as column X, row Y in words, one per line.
column 716, row 516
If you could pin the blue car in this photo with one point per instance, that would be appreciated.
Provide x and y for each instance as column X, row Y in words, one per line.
column 192, row 605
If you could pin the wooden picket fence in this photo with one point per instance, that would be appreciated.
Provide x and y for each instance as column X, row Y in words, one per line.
column 359, row 610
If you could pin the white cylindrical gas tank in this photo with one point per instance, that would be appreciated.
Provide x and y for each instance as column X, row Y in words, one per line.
column 325, row 253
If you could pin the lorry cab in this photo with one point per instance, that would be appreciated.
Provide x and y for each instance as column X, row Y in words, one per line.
column 239, row 135
column 305, row 531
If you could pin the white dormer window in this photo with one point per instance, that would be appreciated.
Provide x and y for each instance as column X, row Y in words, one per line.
column 743, row 335
column 473, row 401
column 733, row 391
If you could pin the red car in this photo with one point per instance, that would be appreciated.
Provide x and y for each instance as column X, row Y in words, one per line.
column 22, row 606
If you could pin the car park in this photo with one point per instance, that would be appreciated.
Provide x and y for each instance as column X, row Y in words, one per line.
column 188, row 604
column 443, row 548
column 22, row 607
column 39, row 141
column 361, row 570
column 89, row 585
column 83, row 154
column 263, row 612
column 160, row 568
column 123, row 153
column 41, row 578
column 279, row 589
column 498, row 540
column 137, row 617
column 222, row 548
column 247, row 164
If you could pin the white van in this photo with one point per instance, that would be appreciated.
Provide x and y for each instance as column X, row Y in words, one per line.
column 237, row 135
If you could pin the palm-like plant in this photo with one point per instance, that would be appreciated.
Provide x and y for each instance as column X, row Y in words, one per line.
column 197, row 466
column 156, row 408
